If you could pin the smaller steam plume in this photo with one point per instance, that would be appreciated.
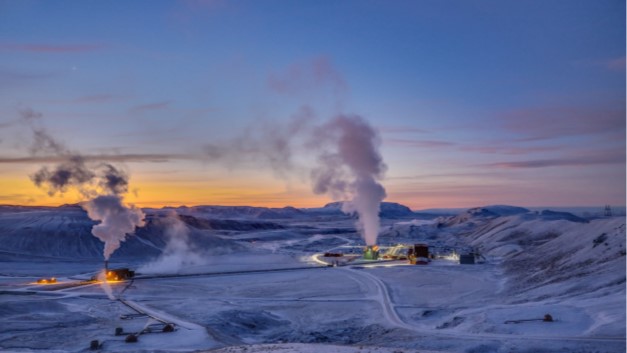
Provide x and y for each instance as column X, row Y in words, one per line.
column 349, row 167
column 178, row 253
column 43, row 142
column 113, row 180
column 72, row 173
column 264, row 144
column 116, row 220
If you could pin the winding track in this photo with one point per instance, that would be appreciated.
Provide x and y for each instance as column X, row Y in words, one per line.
column 392, row 316
column 383, row 297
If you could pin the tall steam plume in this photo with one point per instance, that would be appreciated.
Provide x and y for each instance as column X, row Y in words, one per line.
column 102, row 184
column 346, row 149
column 348, row 169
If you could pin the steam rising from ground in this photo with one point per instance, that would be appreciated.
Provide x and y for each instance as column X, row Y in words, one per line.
column 178, row 253
column 116, row 220
column 349, row 166
column 346, row 150
column 102, row 183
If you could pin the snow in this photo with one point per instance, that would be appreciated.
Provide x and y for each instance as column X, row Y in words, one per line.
column 535, row 265
column 304, row 348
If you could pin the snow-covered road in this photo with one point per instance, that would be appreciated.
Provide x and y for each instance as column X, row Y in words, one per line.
column 361, row 274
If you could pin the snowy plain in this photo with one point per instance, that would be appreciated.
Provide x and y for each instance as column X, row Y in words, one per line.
column 247, row 280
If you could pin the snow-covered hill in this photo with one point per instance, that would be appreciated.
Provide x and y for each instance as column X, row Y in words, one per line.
column 389, row 210
column 552, row 256
column 65, row 232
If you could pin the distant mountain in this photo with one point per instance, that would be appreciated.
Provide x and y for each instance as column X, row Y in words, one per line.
column 482, row 213
column 388, row 210
column 235, row 212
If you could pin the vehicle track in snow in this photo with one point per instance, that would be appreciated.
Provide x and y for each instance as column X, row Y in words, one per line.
column 389, row 311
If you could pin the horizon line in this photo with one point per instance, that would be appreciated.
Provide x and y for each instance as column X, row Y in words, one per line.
column 600, row 207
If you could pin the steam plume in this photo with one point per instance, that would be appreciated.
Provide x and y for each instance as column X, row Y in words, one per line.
column 348, row 169
column 113, row 180
column 103, row 184
column 116, row 220
column 178, row 253
column 346, row 148
column 71, row 173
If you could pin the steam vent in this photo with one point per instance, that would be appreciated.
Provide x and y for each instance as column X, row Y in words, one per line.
column 371, row 252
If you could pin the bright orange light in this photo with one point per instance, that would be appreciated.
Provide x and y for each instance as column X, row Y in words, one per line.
column 44, row 281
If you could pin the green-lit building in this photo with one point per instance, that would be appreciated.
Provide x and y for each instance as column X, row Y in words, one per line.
column 371, row 252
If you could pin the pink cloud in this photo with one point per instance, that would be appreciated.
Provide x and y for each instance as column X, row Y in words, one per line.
column 617, row 64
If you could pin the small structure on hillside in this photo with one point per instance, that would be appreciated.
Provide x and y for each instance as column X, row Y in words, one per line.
column 118, row 274
column 418, row 254
column 467, row 259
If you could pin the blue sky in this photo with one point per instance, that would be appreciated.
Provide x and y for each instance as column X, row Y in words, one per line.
column 477, row 102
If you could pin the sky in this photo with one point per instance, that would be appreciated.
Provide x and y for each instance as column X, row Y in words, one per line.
column 475, row 102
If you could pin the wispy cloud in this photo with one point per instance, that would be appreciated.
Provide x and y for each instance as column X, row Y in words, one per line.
column 129, row 157
column 316, row 73
column 202, row 4
column 458, row 175
column 49, row 48
column 419, row 143
column 513, row 150
column 555, row 122
column 401, row 130
column 609, row 157
column 9, row 78
column 185, row 12
column 97, row 98
column 150, row 106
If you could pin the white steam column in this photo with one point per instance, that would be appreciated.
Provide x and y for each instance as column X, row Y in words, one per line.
column 349, row 168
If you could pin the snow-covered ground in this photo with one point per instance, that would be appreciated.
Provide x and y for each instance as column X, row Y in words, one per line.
column 262, row 291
